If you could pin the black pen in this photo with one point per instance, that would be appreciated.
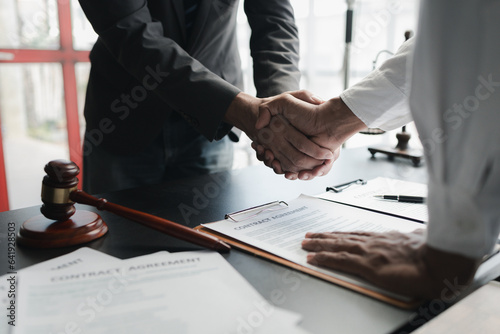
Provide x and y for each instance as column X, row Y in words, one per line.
column 402, row 198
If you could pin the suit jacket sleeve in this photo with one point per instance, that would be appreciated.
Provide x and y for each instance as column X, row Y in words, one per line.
column 138, row 44
column 274, row 46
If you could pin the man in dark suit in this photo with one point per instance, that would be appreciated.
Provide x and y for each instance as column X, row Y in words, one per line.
column 165, row 86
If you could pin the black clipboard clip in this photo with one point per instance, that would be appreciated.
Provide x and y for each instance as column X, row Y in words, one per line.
column 255, row 211
column 343, row 186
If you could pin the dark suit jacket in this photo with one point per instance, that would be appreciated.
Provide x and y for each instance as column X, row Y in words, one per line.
column 144, row 66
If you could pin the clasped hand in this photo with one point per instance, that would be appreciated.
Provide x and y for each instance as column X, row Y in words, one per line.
column 306, row 124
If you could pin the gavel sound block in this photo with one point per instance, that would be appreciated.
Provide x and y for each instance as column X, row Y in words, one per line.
column 61, row 225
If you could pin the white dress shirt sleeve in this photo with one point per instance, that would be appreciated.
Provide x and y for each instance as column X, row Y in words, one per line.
column 380, row 100
column 455, row 102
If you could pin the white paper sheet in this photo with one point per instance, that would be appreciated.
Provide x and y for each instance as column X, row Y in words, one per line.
column 188, row 292
column 363, row 196
column 79, row 258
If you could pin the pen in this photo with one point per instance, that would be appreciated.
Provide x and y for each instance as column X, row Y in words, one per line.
column 402, row 198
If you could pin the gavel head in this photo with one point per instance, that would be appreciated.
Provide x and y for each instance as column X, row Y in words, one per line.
column 70, row 227
column 59, row 182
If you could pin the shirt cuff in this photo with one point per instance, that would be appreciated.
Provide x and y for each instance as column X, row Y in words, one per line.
column 378, row 103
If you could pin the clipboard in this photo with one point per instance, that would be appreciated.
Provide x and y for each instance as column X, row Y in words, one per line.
column 389, row 298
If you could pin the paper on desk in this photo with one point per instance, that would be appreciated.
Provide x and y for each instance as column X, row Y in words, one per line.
column 362, row 196
column 81, row 257
column 281, row 232
column 188, row 292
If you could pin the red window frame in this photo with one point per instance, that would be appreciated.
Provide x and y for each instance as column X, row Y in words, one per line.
column 67, row 57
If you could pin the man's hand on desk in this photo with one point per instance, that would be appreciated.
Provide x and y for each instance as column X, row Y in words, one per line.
column 286, row 143
column 397, row 262
column 326, row 123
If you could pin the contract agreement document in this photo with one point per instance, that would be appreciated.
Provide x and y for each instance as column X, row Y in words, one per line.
column 182, row 293
column 280, row 232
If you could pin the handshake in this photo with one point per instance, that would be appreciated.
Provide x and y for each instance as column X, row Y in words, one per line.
column 295, row 133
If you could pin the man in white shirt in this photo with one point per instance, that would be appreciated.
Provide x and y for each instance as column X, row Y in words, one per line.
column 454, row 97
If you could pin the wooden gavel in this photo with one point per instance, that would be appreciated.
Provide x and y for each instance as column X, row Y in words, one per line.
column 71, row 227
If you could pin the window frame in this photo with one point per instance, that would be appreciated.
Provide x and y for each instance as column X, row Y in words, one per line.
column 67, row 56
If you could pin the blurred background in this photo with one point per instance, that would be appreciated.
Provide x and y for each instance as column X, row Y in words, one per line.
column 44, row 46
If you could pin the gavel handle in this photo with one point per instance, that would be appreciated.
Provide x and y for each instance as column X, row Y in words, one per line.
column 154, row 222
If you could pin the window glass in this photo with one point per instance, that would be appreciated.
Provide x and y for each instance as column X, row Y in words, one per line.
column 84, row 35
column 29, row 24
column 301, row 8
column 33, row 127
column 379, row 27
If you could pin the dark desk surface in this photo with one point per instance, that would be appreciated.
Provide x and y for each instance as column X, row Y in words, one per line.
column 325, row 307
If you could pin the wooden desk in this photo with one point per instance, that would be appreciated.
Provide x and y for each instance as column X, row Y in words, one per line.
column 326, row 308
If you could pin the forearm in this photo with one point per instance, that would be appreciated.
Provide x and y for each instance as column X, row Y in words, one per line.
column 274, row 46
column 243, row 112
column 340, row 122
